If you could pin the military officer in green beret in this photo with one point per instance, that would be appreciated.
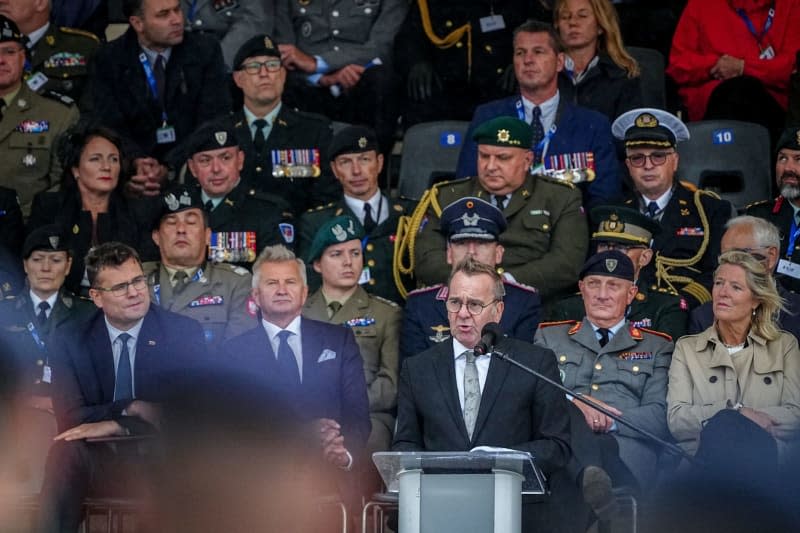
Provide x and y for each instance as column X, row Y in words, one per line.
column 605, row 358
column 243, row 221
column 185, row 282
column 30, row 124
column 356, row 162
column 58, row 56
column 629, row 231
column 336, row 255
column 784, row 211
column 547, row 237
column 692, row 221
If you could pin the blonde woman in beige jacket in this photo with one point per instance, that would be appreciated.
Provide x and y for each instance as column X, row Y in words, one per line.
column 743, row 362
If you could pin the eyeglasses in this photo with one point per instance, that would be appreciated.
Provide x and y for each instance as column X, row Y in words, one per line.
column 474, row 307
column 624, row 248
column 120, row 289
column 656, row 159
column 254, row 67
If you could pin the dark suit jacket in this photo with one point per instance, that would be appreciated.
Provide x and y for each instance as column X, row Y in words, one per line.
column 334, row 388
column 83, row 366
column 196, row 87
column 292, row 130
column 577, row 130
column 517, row 410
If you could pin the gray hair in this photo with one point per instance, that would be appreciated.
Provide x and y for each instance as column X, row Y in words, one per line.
column 765, row 233
column 277, row 254
column 472, row 267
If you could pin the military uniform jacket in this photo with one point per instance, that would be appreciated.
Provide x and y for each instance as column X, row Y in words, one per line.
column 28, row 162
column 682, row 234
column 292, row 130
column 425, row 322
column 545, row 242
column 120, row 223
column 659, row 310
column 342, row 32
column 780, row 213
column 216, row 298
column 12, row 228
column 378, row 250
column 232, row 22
column 63, row 55
column 578, row 130
column 29, row 343
column 703, row 381
column 245, row 209
column 375, row 322
column 196, row 87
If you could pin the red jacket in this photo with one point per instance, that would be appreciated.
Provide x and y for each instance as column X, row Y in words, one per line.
column 710, row 28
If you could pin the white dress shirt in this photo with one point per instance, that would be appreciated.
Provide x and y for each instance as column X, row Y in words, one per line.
column 378, row 204
column 295, row 341
column 51, row 300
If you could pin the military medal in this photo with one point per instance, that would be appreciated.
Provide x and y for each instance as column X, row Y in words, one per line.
column 296, row 163
column 232, row 247
column 577, row 167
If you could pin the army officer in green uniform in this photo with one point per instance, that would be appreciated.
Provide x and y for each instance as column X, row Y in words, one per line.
column 629, row 231
column 546, row 239
column 30, row 124
column 356, row 162
column 336, row 255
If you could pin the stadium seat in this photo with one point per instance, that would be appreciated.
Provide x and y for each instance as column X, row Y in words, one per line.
column 430, row 154
column 652, row 65
column 728, row 157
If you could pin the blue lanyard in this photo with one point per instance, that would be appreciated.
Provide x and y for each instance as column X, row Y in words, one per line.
column 542, row 145
column 192, row 9
column 794, row 231
column 36, row 338
column 752, row 28
column 151, row 81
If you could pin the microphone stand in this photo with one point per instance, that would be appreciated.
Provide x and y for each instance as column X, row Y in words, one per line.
column 670, row 447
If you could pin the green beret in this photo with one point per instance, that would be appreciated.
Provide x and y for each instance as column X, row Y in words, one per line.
column 504, row 131
column 335, row 231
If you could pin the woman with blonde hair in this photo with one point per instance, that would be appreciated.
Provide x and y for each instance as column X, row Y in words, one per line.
column 598, row 73
column 737, row 382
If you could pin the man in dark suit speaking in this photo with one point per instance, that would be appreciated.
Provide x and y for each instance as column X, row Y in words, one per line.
column 451, row 400
column 109, row 374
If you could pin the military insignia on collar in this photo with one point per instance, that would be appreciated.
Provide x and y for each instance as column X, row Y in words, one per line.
column 171, row 201
column 53, row 241
column 611, row 265
column 640, row 297
column 441, row 334
column 646, row 120
column 362, row 142
column 503, row 136
column 470, row 220
column 221, row 137
column 50, row 40
column 22, row 103
column 613, row 225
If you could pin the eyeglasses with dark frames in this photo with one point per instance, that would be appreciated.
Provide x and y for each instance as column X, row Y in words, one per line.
column 474, row 307
column 656, row 159
column 139, row 283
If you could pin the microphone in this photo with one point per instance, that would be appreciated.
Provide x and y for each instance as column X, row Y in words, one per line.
column 490, row 333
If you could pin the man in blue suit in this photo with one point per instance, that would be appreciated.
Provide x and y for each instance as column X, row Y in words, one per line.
column 314, row 366
column 569, row 142
column 108, row 376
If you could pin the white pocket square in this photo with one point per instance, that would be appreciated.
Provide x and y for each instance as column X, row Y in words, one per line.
column 326, row 355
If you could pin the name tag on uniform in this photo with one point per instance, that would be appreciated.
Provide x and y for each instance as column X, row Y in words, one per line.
column 492, row 23
column 165, row 135
column 787, row 268
column 36, row 81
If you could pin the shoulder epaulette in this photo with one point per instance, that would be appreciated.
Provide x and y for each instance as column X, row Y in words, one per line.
column 519, row 285
column 384, row 300
column 657, row 333
column 557, row 323
column 688, row 185
column 423, row 290
column 320, row 207
column 449, row 182
column 58, row 97
column 756, row 204
column 76, row 31
column 550, row 179
column 231, row 268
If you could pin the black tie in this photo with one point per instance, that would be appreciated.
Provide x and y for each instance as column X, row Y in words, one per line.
column 123, row 387
column 652, row 209
column 499, row 201
column 538, row 134
column 159, row 73
column 603, row 336
column 369, row 222
column 259, row 141
column 41, row 316
column 287, row 363
column 208, row 206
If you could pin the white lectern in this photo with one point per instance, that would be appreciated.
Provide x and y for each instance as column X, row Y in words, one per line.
column 463, row 492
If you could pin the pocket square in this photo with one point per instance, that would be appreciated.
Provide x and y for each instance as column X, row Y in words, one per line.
column 326, row 355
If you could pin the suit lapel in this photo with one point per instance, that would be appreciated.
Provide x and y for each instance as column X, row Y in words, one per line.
column 101, row 355
column 445, row 371
column 312, row 347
